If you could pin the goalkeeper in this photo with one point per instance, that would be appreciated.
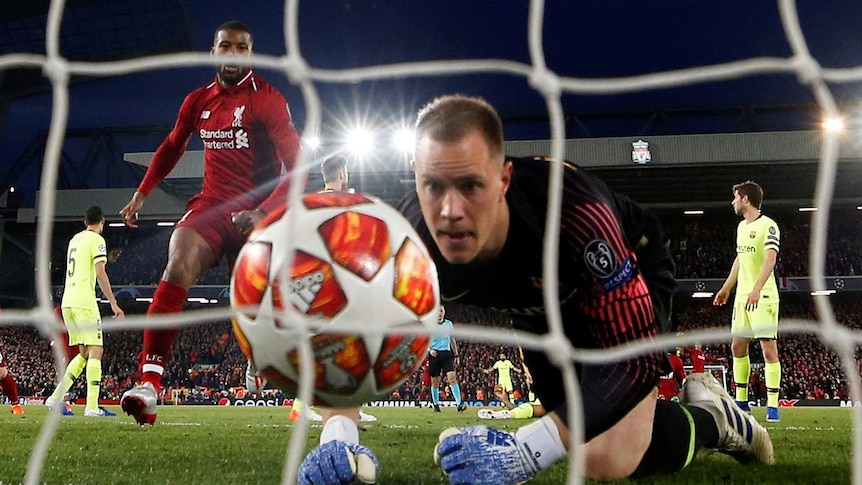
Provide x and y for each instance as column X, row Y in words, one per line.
column 482, row 216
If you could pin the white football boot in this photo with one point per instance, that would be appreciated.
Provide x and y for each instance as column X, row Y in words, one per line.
column 366, row 417
column 312, row 415
column 740, row 435
column 140, row 403
column 99, row 412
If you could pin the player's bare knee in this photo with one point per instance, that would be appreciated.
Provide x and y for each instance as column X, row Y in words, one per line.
column 770, row 350
column 181, row 271
column 95, row 352
column 739, row 347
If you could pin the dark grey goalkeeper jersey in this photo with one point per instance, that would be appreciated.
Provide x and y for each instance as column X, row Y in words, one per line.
column 612, row 258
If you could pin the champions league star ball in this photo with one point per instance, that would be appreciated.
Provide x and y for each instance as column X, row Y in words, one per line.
column 357, row 264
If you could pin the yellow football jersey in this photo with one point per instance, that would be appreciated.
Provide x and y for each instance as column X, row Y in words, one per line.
column 753, row 239
column 85, row 250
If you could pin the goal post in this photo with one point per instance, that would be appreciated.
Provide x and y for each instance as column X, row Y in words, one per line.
column 719, row 371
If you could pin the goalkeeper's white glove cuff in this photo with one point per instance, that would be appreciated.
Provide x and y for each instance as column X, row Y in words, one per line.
column 540, row 443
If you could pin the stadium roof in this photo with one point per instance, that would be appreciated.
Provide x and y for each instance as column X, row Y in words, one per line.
column 583, row 40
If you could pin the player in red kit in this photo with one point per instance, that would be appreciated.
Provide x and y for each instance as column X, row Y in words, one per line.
column 669, row 384
column 425, row 381
column 9, row 386
column 248, row 137
column 699, row 359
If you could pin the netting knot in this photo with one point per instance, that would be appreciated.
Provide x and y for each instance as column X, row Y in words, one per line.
column 546, row 82
column 808, row 70
column 296, row 68
column 57, row 70
column 839, row 338
column 558, row 350
column 46, row 322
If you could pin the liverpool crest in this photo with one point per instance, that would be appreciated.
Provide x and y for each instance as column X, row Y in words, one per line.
column 640, row 152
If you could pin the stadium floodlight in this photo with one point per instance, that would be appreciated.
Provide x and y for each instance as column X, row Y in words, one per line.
column 833, row 125
column 359, row 141
column 311, row 142
column 12, row 189
column 403, row 140
column 693, row 213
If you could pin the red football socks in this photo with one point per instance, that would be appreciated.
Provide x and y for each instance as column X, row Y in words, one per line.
column 169, row 298
column 10, row 388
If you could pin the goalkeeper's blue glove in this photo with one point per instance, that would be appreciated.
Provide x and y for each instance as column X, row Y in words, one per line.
column 479, row 455
column 338, row 463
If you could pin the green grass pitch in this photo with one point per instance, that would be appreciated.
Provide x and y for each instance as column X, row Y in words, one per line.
column 220, row 445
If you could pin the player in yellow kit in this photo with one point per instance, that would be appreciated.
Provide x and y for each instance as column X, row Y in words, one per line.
column 531, row 409
column 504, row 368
column 755, row 307
column 85, row 265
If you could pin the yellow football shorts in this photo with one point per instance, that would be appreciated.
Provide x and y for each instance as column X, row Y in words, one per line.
column 758, row 323
column 84, row 326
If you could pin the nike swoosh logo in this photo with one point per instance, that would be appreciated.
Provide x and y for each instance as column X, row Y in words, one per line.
column 453, row 298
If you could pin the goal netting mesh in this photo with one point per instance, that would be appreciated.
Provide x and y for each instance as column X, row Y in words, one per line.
column 551, row 87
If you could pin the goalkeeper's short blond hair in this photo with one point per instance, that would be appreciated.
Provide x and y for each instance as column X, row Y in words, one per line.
column 449, row 118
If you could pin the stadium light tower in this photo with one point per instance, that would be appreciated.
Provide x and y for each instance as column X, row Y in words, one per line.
column 311, row 142
column 833, row 125
column 359, row 141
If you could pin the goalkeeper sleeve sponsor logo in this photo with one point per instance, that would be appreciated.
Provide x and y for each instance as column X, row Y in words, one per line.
column 620, row 275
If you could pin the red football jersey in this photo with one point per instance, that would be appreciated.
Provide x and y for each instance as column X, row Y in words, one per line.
column 670, row 383
column 699, row 360
column 247, row 133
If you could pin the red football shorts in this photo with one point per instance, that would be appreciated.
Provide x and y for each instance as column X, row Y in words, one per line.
column 212, row 220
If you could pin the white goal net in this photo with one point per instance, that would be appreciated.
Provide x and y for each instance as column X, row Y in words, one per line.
column 550, row 86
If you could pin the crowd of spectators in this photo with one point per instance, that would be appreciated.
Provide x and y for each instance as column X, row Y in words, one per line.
column 207, row 357
column 204, row 357
column 810, row 370
column 206, row 360
column 705, row 248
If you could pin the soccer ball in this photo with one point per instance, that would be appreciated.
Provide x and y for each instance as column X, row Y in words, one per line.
column 357, row 264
